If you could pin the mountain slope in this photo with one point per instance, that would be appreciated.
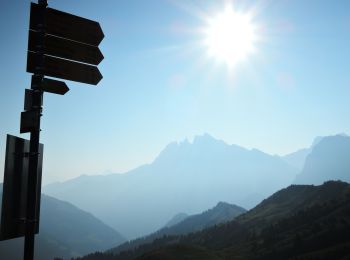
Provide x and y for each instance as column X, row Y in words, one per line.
column 65, row 231
column 176, row 219
column 329, row 160
column 297, row 159
column 221, row 213
column 206, row 170
column 299, row 222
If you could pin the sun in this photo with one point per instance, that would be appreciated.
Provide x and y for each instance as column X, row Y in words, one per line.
column 230, row 36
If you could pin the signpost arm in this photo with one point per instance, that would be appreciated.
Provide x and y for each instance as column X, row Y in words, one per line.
column 32, row 199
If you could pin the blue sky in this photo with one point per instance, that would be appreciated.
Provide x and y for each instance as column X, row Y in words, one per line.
column 160, row 86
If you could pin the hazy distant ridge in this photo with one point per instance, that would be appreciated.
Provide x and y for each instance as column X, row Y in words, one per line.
column 185, row 177
column 328, row 160
column 65, row 231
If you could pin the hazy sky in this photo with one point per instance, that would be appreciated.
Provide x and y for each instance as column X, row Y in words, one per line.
column 160, row 85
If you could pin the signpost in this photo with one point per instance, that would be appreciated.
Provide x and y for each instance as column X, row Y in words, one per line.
column 60, row 45
column 68, row 46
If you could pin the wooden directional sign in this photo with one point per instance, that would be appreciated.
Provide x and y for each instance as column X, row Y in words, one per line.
column 69, row 42
column 65, row 69
column 67, row 49
column 54, row 86
column 68, row 26
column 47, row 85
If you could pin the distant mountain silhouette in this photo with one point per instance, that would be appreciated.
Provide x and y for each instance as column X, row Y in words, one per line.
column 328, row 160
column 297, row 159
column 221, row 213
column 298, row 222
column 176, row 219
column 185, row 177
column 65, row 231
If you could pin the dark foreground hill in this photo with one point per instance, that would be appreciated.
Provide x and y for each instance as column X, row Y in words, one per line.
column 221, row 213
column 299, row 222
column 65, row 231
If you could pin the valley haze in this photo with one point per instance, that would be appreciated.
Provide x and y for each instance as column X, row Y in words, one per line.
column 206, row 170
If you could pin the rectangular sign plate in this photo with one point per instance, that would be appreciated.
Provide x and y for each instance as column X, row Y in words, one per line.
column 14, row 193
column 29, row 121
column 31, row 97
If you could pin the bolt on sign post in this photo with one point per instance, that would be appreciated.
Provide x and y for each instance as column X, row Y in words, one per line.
column 60, row 45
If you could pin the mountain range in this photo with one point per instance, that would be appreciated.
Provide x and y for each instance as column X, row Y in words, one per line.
column 65, row 231
column 206, row 171
column 298, row 222
column 185, row 177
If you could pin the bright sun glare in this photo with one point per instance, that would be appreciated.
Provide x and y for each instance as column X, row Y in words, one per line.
column 230, row 36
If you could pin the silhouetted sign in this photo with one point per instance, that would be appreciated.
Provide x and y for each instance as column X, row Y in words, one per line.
column 14, row 197
column 68, row 26
column 65, row 69
column 67, row 49
column 28, row 99
column 54, row 86
column 29, row 121
column 31, row 97
column 66, row 36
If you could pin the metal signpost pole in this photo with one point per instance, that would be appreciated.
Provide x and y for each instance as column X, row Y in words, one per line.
column 58, row 47
column 36, row 107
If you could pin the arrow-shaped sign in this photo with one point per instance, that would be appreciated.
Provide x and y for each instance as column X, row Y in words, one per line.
column 67, row 49
column 65, row 69
column 68, row 26
column 54, row 86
